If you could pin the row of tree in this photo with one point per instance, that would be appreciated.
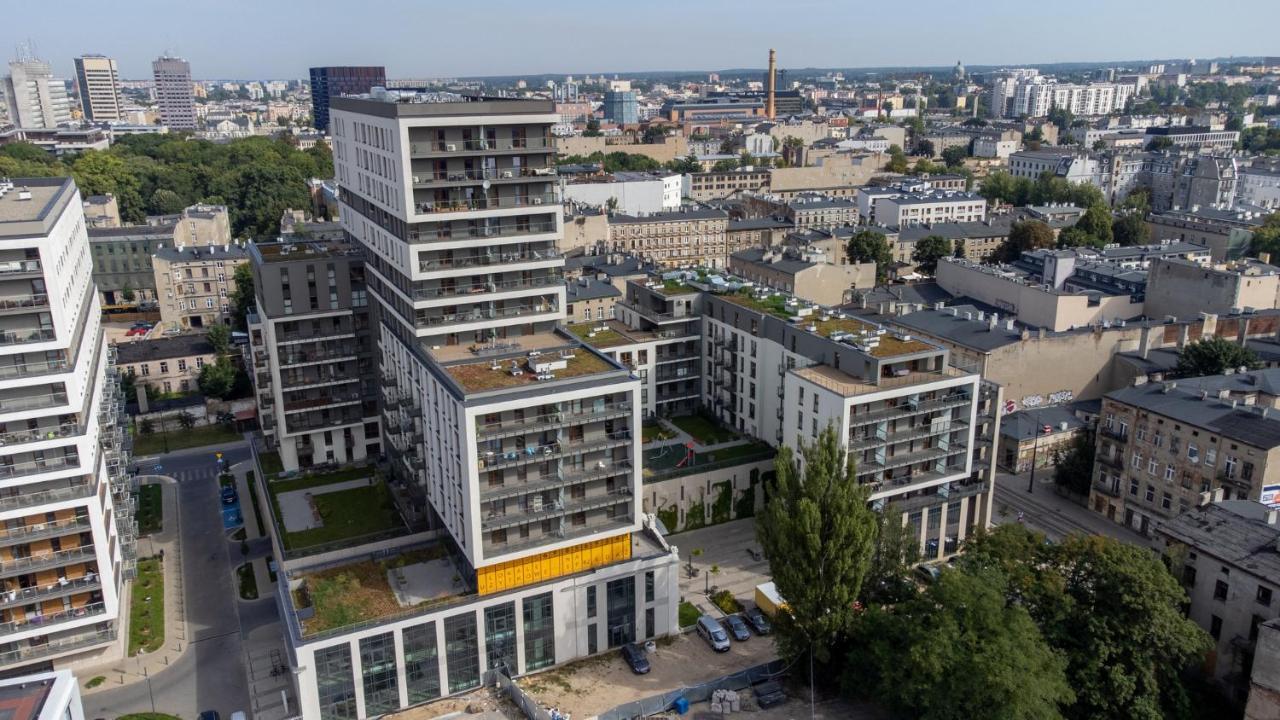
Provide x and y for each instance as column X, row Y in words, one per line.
column 1088, row 629
column 257, row 178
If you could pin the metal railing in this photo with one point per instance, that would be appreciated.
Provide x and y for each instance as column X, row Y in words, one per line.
column 33, row 368
column 15, row 302
column 479, row 315
column 35, row 467
column 552, row 481
column 27, row 595
column 477, row 145
column 312, row 403
column 20, row 267
column 32, row 563
column 29, row 533
column 465, row 289
column 33, row 622
column 650, row 314
column 18, row 337
column 58, row 645
column 537, row 453
column 39, row 434
column 462, row 204
column 299, row 358
column 908, row 409
column 546, row 421
column 504, row 258
column 421, row 178
column 32, row 402
column 486, row 231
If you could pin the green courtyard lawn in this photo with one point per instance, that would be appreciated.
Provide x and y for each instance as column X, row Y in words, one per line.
column 704, row 430
column 146, row 607
column 654, row 431
column 155, row 443
column 346, row 514
column 150, row 509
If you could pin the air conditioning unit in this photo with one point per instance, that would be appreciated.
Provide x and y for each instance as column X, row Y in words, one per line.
column 451, row 147
column 507, row 174
column 537, row 201
column 416, row 179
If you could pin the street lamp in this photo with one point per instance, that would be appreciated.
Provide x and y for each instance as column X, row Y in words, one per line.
column 1035, row 450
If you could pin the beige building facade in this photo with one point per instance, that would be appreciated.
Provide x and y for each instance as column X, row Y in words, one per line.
column 194, row 286
column 675, row 239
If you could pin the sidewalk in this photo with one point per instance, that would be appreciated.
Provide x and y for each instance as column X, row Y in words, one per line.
column 128, row 670
column 258, row 557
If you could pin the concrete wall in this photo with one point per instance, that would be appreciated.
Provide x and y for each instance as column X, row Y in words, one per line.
column 691, row 499
column 584, row 231
column 1264, row 690
column 1184, row 290
column 836, row 170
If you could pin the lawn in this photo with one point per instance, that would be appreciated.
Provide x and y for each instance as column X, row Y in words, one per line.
column 688, row 614
column 663, row 460
column 150, row 509
column 704, row 430
column 253, row 498
column 247, row 581
column 271, row 464
column 652, row 432
column 348, row 514
column 146, row 607
column 155, row 443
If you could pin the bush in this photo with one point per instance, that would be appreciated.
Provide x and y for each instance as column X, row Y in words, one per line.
column 95, row 682
column 726, row 602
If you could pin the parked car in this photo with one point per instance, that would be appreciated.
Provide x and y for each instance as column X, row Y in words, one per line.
column 713, row 632
column 229, row 495
column 635, row 657
column 209, row 715
column 146, row 326
column 239, row 715
column 758, row 622
column 927, row 574
column 136, row 331
column 738, row 628
column 768, row 694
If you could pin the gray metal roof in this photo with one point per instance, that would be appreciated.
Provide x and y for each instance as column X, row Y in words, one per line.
column 1181, row 400
column 1234, row 531
column 1027, row 424
column 973, row 334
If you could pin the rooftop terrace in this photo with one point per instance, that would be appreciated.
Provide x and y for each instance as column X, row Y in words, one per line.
column 529, row 367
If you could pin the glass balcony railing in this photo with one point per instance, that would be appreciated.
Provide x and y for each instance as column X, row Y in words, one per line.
column 28, row 653
column 24, row 302
column 546, row 421
column 472, row 288
column 493, row 230
column 59, row 558
column 501, row 258
column 35, row 622
column 41, row 593
column 426, row 177
column 29, row 369
column 37, row 531
column 466, row 204
column 20, row 267
column 423, row 147
column 19, row 337
column 481, row 314
column 35, row 467
column 52, row 432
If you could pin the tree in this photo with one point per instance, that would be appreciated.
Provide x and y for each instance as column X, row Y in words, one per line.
column 1023, row 236
column 959, row 243
column 1160, row 142
column 1214, row 356
column 186, row 420
column 1111, row 609
column 897, row 160
column 242, row 299
column 957, row 650
column 593, row 129
column 896, row 549
column 724, row 166
column 217, row 379
column 870, row 246
column 1073, row 468
column 165, row 202
column 929, row 250
column 127, row 293
column 219, row 336
column 1075, row 237
column 817, row 532
column 1266, row 238
column 101, row 172
column 1097, row 222
column 1099, row 145
column 685, row 165
column 1131, row 229
column 924, row 148
column 654, row 134
column 954, row 156
column 146, row 427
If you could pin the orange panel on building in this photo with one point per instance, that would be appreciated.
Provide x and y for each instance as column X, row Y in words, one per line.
column 553, row 564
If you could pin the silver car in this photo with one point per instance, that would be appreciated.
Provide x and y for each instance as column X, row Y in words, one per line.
column 713, row 632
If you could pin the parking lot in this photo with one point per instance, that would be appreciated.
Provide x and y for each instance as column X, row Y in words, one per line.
column 593, row 685
column 724, row 548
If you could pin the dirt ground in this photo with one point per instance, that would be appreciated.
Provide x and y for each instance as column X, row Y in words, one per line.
column 483, row 704
column 591, row 686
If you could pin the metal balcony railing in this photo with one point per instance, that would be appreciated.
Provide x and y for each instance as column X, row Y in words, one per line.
column 463, row 289
column 19, row 337
column 30, row 369
column 34, row 622
column 428, row 177
column 24, row 302
column 33, row 402
column 40, row 531
column 547, row 421
column 493, row 230
column 57, row 646
column 18, row 498
column 59, row 558
column 52, row 432
column 20, row 267
column 35, row 467
column 464, row 204
column 481, row 314
column 29, row 595
column 479, row 145
column 488, row 259
column 551, row 451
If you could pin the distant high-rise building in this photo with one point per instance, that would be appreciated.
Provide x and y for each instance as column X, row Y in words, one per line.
column 98, row 82
column 622, row 107
column 173, row 93
column 331, row 82
column 33, row 97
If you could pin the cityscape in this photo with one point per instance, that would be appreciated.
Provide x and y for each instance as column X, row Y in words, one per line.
column 885, row 391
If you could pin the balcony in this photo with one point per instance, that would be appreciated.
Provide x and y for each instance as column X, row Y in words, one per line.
column 552, row 510
column 24, row 303
column 302, row 383
column 550, row 421
column 36, row 467
column 424, row 148
column 52, row 432
column 34, row 563
column 489, row 260
column 29, row 595
column 13, row 268
column 552, row 451
column 463, row 204
column 37, row 622
column 1117, row 434
column 482, row 314
column 551, row 482
column 32, row 369
column 33, row 402
column 910, row 458
column 21, row 337
column 909, row 409
column 474, row 288
column 57, row 646
column 1115, row 462
column 1111, row 488
column 41, row 531
column 901, row 436
column 474, row 176
column 490, row 230
column 651, row 314
column 320, row 402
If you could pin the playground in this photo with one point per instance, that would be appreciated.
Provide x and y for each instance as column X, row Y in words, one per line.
column 681, row 452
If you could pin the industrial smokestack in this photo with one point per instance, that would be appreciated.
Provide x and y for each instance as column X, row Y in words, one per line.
column 770, row 85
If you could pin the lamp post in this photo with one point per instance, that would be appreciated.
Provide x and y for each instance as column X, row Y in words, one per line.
column 1035, row 450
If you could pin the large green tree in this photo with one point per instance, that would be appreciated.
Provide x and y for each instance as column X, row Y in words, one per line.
column 1073, row 467
column 871, row 246
column 1026, row 235
column 242, row 298
column 957, row 651
column 954, row 156
column 817, row 532
column 929, row 250
column 1096, row 221
column 1075, row 236
column 219, row 336
column 1131, row 229
column 1111, row 609
column 217, row 379
column 1213, row 356
column 1266, row 238
column 897, row 160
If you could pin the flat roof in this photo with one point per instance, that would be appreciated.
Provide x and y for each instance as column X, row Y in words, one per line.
column 301, row 250
column 444, row 104
column 1234, row 531
column 22, row 215
column 509, row 368
column 164, row 348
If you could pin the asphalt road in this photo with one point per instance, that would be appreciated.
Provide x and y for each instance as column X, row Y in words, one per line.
column 210, row 674
column 1045, row 510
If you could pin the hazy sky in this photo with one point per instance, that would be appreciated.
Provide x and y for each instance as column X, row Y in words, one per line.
column 256, row 39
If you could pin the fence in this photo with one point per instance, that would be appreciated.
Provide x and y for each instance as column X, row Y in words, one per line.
column 694, row 694
column 527, row 705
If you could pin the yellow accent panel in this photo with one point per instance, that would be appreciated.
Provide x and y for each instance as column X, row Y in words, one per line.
column 554, row 564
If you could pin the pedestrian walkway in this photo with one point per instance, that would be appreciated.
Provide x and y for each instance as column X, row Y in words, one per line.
column 259, row 557
column 165, row 543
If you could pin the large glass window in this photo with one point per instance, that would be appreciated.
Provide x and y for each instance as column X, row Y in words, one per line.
column 500, row 637
column 622, row 611
column 539, row 633
column 335, row 683
column 421, row 663
column 462, row 652
column 378, row 666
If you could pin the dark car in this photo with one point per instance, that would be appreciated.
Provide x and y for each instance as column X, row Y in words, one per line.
column 769, row 694
column 738, row 628
column 229, row 495
column 758, row 622
column 635, row 657
column 209, row 715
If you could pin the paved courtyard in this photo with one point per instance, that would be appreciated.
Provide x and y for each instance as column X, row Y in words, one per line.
column 299, row 512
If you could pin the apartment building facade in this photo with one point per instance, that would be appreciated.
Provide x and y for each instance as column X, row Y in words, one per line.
column 330, row 82
column 520, row 443
column 67, row 524
column 681, row 238
column 98, row 82
column 931, row 207
column 194, row 285
column 311, row 351
column 174, row 93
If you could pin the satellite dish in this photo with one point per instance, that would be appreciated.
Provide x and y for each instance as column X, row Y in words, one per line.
column 485, row 184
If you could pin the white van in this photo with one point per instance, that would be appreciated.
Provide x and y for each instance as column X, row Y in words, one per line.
column 713, row 632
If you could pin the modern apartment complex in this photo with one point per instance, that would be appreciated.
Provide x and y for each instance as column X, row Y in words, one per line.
column 312, row 353
column 98, row 82
column 34, row 98
column 66, row 512
column 331, row 82
column 174, row 93
column 521, row 443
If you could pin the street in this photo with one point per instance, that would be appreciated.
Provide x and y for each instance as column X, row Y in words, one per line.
column 210, row 673
column 1045, row 510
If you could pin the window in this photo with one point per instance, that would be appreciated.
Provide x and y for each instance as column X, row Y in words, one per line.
column 1210, row 456
column 199, row 362
column 335, row 683
column 1215, row 626
column 1168, row 473
column 378, row 668
column 622, row 611
column 1152, row 466
column 1166, row 501
column 1137, row 461
column 462, row 652
column 182, row 364
column 500, row 636
column 539, row 633
column 591, row 602
column 593, row 644
column 1229, row 467
column 1193, row 453
column 649, row 584
column 648, row 622
column 1264, row 596
column 1220, row 589
column 1133, row 487
column 1151, row 493
column 146, row 369
column 421, row 663
column 164, row 367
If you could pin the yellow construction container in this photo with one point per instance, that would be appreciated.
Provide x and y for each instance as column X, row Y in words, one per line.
column 554, row 564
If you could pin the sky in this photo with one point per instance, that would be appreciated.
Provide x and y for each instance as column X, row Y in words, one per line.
column 280, row 39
